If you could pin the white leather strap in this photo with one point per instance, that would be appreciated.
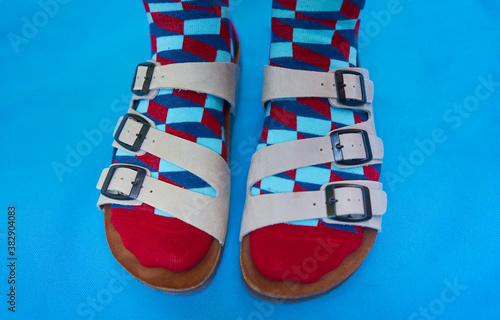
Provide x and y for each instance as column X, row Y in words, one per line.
column 193, row 157
column 269, row 209
column 290, row 83
column 295, row 154
column 204, row 212
column 215, row 78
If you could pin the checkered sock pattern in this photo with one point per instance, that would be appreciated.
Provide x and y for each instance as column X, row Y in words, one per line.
column 181, row 31
column 318, row 35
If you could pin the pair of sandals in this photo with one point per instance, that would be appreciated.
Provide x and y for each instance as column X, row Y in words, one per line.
column 356, row 202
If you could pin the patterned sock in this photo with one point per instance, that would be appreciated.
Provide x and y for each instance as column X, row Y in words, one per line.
column 318, row 35
column 181, row 31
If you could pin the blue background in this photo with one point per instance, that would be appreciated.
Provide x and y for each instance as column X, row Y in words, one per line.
column 74, row 72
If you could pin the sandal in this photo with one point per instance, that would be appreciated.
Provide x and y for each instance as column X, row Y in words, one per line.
column 133, row 185
column 359, row 203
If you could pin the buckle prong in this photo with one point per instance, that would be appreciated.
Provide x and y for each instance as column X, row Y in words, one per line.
column 332, row 201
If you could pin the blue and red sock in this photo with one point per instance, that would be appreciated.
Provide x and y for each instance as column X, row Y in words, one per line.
column 318, row 35
column 309, row 35
column 181, row 31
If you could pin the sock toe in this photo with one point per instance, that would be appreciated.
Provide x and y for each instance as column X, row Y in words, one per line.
column 301, row 253
column 159, row 241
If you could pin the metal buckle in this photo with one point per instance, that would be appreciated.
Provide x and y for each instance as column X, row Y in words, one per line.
column 331, row 202
column 337, row 147
column 340, row 85
column 147, row 79
column 140, row 136
column 136, row 185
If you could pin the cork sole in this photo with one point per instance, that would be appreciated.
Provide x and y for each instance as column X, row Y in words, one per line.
column 290, row 291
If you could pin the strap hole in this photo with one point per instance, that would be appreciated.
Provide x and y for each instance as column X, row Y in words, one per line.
column 121, row 179
column 163, row 76
column 348, row 199
column 322, row 84
column 314, row 204
column 352, row 145
column 321, row 149
column 150, row 191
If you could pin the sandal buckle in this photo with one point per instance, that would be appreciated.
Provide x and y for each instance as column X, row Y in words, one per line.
column 147, row 78
column 136, row 146
column 136, row 184
column 331, row 203
column 337, row 147
column 340, row 86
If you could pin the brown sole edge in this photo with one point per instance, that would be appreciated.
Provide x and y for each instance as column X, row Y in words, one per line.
column 292, row 292
column 200, row 287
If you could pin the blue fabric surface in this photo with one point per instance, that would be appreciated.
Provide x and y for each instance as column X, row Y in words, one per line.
column 64, row 81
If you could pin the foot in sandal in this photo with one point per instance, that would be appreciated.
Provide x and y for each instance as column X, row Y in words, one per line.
column 166, row 196
column 314, row 203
